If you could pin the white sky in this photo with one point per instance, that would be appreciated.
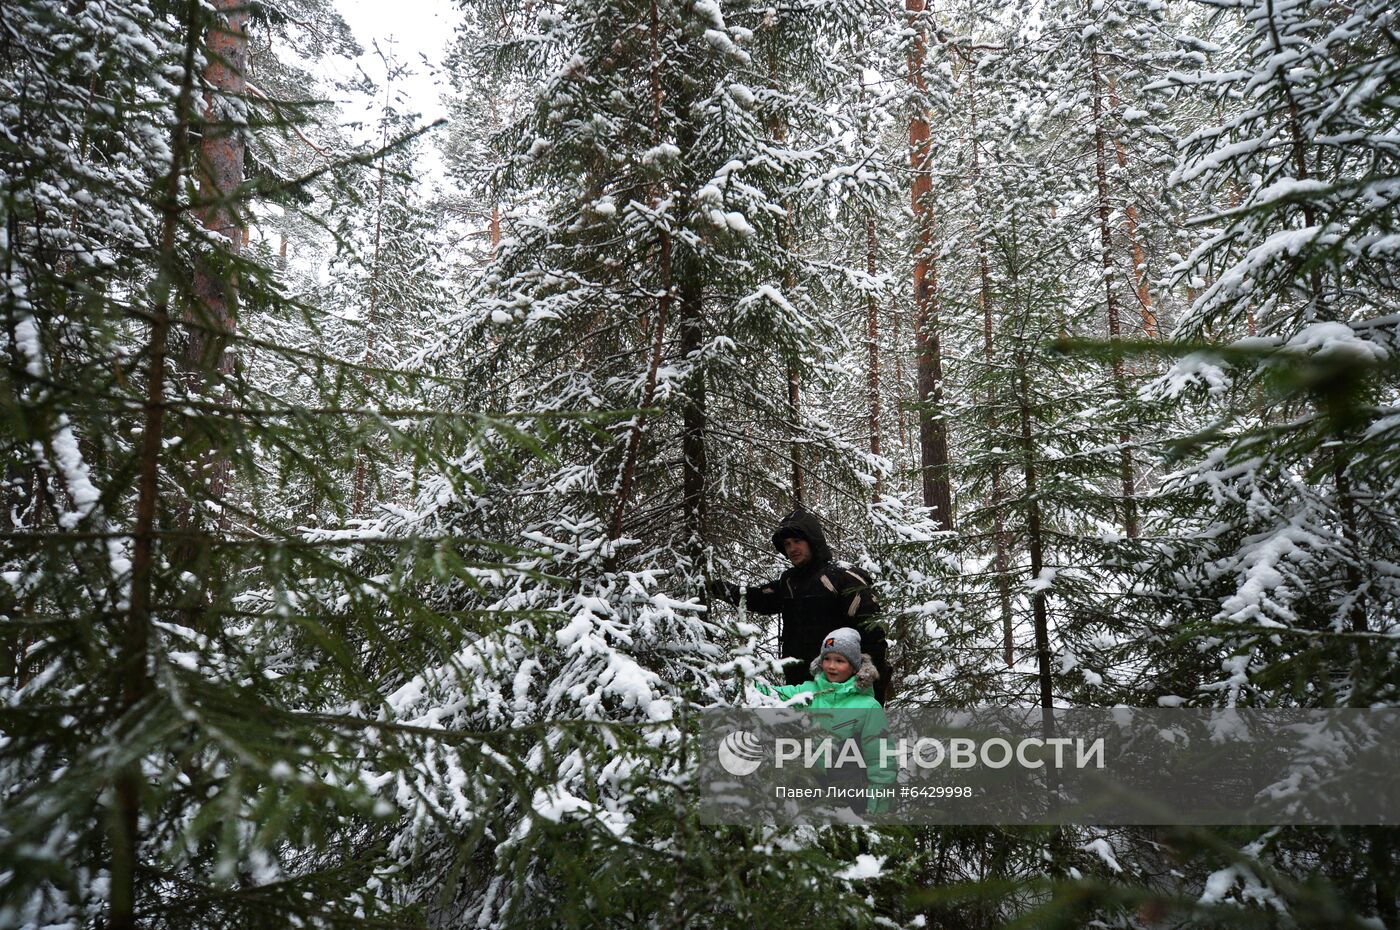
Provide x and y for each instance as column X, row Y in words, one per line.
column 417, row 33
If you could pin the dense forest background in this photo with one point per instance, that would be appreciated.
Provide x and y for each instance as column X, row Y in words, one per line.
column 357, row 530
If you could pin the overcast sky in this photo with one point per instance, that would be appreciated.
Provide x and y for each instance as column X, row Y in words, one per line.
column 417, row 32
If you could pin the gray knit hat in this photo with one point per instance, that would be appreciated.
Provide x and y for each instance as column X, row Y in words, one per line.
column 844, row 642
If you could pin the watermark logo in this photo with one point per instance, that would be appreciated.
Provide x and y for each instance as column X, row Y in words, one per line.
column 740, row 753
column 1024, row 765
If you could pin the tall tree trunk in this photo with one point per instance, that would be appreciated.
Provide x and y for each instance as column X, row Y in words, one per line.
column 494, row 226
column 220, row 172
column 1298, row 146
column 212, row 315
column 694, row 469
column 933, row 429
column 1035, row 541
column 1144, row 296
column 1126, row 468
column 872, row 323
column 372, row 309
column 634, row 440
column 663, row 303
column 896, row 314
column 1061, row 325
column 984, row 301
column 872, row 338
column 1341, row 449
column 25, row 496
column 129, row 783
column 799, row 477
column 794, row 377
column 1251, row 324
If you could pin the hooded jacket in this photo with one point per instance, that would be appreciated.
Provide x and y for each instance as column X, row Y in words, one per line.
column 848, row 710
column 815, row 599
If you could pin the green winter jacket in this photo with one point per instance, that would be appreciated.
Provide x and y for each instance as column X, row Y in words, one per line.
column 849, row 711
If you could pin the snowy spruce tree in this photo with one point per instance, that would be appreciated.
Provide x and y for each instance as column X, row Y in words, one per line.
column 386, row 283
column 192, row 680
column 1286, row 576
column 1277, row 524
column 647, row 294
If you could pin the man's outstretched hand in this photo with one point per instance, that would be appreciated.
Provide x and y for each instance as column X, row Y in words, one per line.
column 726, row 591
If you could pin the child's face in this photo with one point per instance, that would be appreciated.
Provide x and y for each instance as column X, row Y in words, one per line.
column 836, row 668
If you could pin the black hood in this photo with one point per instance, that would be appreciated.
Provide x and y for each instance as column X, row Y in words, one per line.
column 805, row 524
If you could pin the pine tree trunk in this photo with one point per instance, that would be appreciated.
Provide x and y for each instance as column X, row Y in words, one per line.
column 799, row 477
column 984, row 301
column 129, row 784
column 1297, row 136
column 634, row 440
column 663, row 303
column 494, row 226
column 794, row 378
column 1144, row 296
column 933, row 429
column 220, row 172
column 25, row 495
column 219, row 169
column 371, row 312
column 1115, row 329
column 1036, row 543
column 872, row 337
column 1251, row 322
column 872, row 324
column 694, row 470
column 901, row 407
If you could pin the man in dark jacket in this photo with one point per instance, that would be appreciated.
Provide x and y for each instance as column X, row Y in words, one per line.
column 814, row 596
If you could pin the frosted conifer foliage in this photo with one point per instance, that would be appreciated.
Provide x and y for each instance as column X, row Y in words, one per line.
column 360, row 527
column 647, row 298
column 192, row 673
column 1295, row 281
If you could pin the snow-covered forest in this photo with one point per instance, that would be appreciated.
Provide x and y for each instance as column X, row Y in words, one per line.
column 360, row 518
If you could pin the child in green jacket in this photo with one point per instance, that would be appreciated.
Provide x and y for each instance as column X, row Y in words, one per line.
column 843, row 697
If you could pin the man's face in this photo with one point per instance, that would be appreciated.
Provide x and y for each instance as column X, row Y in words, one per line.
column 797, row 549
